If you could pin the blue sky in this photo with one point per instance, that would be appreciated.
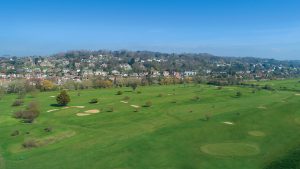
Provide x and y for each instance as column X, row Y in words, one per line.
column 260, row 28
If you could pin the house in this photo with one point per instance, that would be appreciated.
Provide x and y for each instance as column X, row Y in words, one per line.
column 190, row 73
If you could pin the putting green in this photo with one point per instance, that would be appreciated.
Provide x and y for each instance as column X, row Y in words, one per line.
column 230, row 149
column 256, row 133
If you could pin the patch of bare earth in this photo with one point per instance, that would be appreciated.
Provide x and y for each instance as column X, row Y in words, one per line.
column 79, row 107
column 135, row 106
column 93, row 111
column 228, row 123
column 256, row 133
column 262, row 107
column 82, row 114
column 52, row 110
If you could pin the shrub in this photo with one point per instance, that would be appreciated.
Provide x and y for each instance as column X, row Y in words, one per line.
column 29, row 114
column 160, row 95
column 94, row 101
column 126, row 98
column 133, row 86
column 196, row 98
column 110, row 109
column 238, row 94
column 18, row 102
column 119, row 93
column 29, row 144
column 48, row 129
column 174, row 101
column 139, row 92
column 148, row 104
column 207, row 116
column 63, row 98
column 15, row 133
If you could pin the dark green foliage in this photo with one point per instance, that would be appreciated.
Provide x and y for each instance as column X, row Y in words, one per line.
column 289, row 161
column 267, row 87
column 133, row 86
column 94, row 101
column 110, row 109
column 148, row 104
column 126, row 98
column 63, row 98
column 196, row 98
column 119, row 93
column 48, row 129
column 238, row 94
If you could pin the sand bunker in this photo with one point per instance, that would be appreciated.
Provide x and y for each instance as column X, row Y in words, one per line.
column 124, row 102
column 65, row 107
column 135, row 106
column 80, row 107
column 230, row 149
column 297, row 94
column 256, row 133
column 52, row 96
column 228, row 123
column 83, row 114
column 52, row 110
column 262, row 107
column 92, row 111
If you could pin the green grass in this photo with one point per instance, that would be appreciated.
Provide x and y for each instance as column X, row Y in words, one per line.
column 166, row 135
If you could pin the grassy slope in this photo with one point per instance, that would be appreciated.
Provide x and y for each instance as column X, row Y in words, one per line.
column 166, row 135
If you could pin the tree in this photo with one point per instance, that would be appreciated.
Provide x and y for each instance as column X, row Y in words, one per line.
column 133, row 86
column 47, row 85
column 63, row 98
column 238, row 94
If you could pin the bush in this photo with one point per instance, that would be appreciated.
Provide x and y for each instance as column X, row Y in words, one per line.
column 15, row 133
column 160, row 95
column 133, row 86
column 17, row 102
column 48, row 129
column 196, row 98
column 148, row 104
column 119, row 93
column 174, row 101
column 136, row 109
column 29, row 144
column 126, row 98
column 110, row 109
column 238, row 94
column 139, row 92
column 207, row 117
column 63, row 98
column 29, row 114
column 94, row 101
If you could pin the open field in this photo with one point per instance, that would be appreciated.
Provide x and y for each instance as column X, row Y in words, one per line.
column 179, row 131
